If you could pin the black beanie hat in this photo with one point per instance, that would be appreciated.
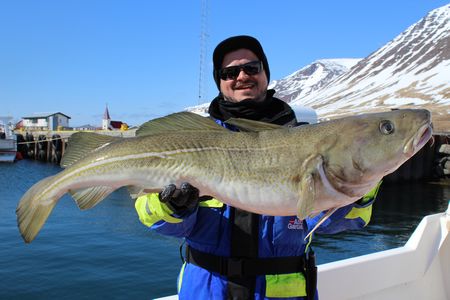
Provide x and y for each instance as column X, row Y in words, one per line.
column 234, row 43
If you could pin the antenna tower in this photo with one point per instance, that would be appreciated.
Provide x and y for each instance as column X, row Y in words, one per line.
column 203, row 50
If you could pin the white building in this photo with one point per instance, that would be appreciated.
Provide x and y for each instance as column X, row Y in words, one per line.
column 46, row 121
column 108, row 124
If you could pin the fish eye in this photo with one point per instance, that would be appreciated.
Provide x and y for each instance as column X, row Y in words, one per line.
column 386, row 127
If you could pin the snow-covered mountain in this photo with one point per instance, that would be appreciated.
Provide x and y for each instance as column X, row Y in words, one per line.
column 302, row 82
column 413, row 70
column 311, row 78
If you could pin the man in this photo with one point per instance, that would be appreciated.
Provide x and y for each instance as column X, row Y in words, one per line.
column 231, row 253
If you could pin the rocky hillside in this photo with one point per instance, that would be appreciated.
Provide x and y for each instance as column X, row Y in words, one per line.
column 413, row 70
column 311, row 78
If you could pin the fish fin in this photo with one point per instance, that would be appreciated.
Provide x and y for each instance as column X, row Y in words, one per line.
column 81, row 143
column 324, row 217
column 182, row 121
column 306, row 197
column 306, row 185
column 251, row 125
column 135, row 191
column 34, row 209
column 90, row 197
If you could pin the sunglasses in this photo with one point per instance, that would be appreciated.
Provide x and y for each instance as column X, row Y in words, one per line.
column 231, row 73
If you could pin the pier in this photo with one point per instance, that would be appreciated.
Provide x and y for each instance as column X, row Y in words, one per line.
column 430, row 163
column 49, row 146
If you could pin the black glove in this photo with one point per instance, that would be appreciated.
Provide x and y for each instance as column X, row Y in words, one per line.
column 184, row 198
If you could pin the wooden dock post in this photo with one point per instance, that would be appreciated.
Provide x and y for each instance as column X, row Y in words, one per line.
column 35, row 150
column 49, row 144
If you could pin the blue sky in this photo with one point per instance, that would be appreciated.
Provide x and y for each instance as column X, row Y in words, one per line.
column 142, row 58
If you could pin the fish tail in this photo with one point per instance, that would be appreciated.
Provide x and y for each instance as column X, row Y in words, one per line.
column 34, row 209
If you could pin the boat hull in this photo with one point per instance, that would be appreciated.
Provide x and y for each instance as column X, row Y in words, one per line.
column 8, row 150
column 418, row 270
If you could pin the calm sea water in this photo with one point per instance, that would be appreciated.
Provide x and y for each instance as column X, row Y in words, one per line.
column 105, row 253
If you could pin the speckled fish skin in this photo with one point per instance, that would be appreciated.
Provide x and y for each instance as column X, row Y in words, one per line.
column 287, row 171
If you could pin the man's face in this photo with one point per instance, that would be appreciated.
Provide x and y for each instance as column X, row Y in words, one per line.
column 245, row 86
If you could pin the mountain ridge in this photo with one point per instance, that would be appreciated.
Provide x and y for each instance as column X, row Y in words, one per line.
column 410, row 71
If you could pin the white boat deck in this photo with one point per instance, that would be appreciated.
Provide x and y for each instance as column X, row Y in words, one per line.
column 418, row 270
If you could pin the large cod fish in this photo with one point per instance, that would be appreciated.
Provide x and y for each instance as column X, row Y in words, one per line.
column 264, row 168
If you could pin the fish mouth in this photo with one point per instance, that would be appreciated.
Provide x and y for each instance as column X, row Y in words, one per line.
column 424, row 133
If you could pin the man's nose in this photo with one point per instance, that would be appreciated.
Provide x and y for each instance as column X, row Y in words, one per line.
column 242, row 75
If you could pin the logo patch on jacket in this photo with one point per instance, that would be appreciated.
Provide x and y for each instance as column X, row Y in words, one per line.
column 295, row 224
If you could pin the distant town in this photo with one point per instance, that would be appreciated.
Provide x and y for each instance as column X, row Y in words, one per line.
column 58, row 121
column 44, row 136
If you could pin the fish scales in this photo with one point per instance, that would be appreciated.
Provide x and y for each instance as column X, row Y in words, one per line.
column 283, row 171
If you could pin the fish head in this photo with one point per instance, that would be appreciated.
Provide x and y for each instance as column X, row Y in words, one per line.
column 371, row 146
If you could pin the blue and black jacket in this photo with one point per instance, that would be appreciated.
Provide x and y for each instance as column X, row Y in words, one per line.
column 220, row 231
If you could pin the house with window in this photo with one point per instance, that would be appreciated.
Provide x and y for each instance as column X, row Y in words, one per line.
column 46, row 121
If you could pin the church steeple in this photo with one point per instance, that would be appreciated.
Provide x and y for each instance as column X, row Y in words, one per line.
column 106, row 122
column 106, row 114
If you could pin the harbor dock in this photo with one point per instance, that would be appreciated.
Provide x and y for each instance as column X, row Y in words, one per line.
column 49, row 146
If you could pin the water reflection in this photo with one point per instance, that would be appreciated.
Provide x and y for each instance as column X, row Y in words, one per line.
column 110, row 254
column 396, row 213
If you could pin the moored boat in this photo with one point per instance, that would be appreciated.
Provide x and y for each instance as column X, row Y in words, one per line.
column 8, row 142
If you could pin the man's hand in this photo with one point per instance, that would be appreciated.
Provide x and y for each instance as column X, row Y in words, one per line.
column 186, row 197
